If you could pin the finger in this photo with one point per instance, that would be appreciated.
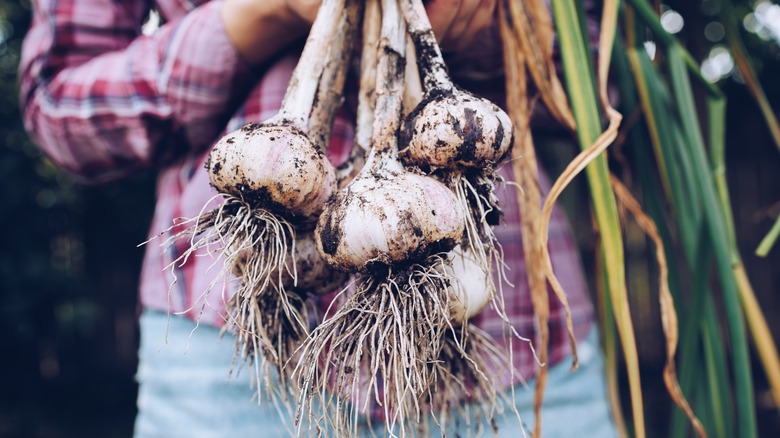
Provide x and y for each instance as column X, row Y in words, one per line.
column 441, row 14
column 461, row 21
column 482, row 20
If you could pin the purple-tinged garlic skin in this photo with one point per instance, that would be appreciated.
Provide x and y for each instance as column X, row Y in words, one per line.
column 456, row 130
column 397, row 218
column 273, row 167
column 472, row 289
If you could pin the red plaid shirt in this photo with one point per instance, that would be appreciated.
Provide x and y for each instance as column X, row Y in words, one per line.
column 104, row 100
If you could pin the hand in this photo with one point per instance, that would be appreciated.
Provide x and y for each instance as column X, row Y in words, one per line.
column 260, row 28
column 457, row 23
column 304, row 10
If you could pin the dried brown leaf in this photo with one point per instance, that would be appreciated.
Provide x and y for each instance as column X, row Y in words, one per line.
column 525, row 170
column 533, row 30
column 669, row 321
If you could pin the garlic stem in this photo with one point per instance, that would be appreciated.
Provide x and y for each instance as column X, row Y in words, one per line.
column 330, row 91
column 413, row 92
column 372, row 22
column 299, row 98
column 389, row 83
column 431, row 61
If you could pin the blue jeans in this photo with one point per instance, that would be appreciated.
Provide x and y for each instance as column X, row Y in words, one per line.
column 186, row 390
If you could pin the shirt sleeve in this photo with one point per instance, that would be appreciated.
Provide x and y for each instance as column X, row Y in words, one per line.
column 103, row 100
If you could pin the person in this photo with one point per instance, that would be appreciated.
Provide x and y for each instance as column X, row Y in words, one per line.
column 103, row 100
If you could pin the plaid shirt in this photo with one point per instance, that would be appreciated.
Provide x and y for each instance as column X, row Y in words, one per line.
column 104, row 100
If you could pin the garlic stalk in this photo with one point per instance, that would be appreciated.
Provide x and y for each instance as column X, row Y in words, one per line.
column 330, row 91
column 413, row 92
column 372, row 21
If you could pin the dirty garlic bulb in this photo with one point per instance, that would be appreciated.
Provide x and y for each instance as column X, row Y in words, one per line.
column 313, row 274
column 274, row 166
column 388, row 216
column 277, row 165
column 456, row 131
column 458, row 138
column 450, row 128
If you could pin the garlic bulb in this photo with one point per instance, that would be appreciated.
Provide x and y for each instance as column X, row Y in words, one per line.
column 450, row 128
column 454, row 131
column 394, row 228
column 472, row 289
column 275, row 167
column 387, row 216
column 275, row 179
column 399, row 218
column 458, row 138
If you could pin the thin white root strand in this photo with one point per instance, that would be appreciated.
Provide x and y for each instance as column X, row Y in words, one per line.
column 258, row 247
column 378, row 344
column 467, row 378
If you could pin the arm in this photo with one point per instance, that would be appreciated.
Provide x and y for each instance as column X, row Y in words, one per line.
column 103, row 100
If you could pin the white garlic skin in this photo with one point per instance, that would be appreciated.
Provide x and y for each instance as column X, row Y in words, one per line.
column 277, row 167
column 472, row 287
column 456, row 130
column 392, row 219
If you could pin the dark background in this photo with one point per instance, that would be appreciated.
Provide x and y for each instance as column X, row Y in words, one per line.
column 69, row 267
column 69, row 259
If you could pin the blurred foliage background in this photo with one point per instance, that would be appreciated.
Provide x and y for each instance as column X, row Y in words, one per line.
column 69, row 260
column 68, row 280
